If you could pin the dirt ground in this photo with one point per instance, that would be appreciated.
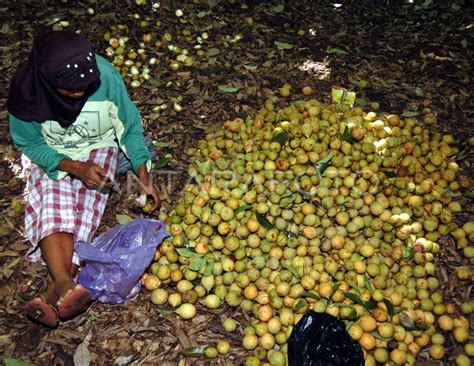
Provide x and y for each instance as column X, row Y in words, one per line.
column 413, row 59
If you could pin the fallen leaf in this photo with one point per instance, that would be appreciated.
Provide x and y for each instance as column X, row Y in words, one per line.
column 14, row 362
column 82, row 356
column 250, row 67
column 337, row 51
column 213, row 52
column 9, row 253
column 227, row 89
column 122, row 360
column 123, row 219
column 161, row 144
column 279, row 8
column 13, row 263
column 283, row 46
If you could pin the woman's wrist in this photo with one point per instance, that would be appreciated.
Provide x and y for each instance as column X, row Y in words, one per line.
column 68, row 165
column 142, row 171
column 143, row 176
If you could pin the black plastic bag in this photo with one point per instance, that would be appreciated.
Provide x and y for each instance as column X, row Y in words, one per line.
column 320, row 339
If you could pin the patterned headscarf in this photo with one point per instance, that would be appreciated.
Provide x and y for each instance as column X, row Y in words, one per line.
column 61, row 59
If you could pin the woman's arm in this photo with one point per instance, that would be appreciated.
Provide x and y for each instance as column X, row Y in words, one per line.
column 127, row 123
column 91, row 174
column 126, row 120
column 28, row 138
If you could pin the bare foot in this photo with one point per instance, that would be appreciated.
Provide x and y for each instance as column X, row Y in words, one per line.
column 62, row 288
column 43, row 312
column 73, row 301
column 50, row 295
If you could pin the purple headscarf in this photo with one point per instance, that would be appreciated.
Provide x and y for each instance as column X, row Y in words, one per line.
column 61, row 59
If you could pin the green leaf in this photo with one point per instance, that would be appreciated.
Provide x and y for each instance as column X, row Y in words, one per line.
column 162, row 163
column 92, row 317
column 250, row 67
column 469, row 195
column 341, row 305
column 242, row 209
column 321, row 168
column 227, row 89
column 311, row 294
column 391, row 174
column 369, row 305
column 399, row 310
column 54, row 18
column 298, row 102
column 461, row 155
column 367, row 284
column 300, row 304
column 281, row 138
column 291, row 234
column 306, row 195
column 200, row 127
column 355, row 298
column 186, row 242
column 352, row 315
column 283, row 46
column 197, row 263
column 455, row 7
column 406, row 321
column 389, row 306
column 194, row 351
column 337, row 51
column 378, row 336
column 202, row 14
column 203, row 167
column 423, row 6
column 351, row 285
column 209, row 269
column 335, row 287
column 187, row 252
column 14, row 362
column 291, row 269
column 464, row 43
column 361, row 102
column 154, row 82
column 161, row 144
column 327, row 158
column 263, row 221
column 213, row 52
column 164, row 312
column 408, row 251
column 279, row 8
column 123, row 219
column 409, row 324
column 322, row 165
column 346, row 135
column 288, row 200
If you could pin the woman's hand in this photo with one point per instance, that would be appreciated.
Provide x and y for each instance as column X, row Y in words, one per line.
column 147, row 188
column 91, row 174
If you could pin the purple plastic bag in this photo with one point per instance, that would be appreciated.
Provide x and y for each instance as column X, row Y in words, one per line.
column 115, row 261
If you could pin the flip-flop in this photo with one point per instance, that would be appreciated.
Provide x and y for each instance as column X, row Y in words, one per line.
column 42, row 312
column 74, row 302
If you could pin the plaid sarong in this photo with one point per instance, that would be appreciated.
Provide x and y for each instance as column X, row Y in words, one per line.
column 65, row 205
